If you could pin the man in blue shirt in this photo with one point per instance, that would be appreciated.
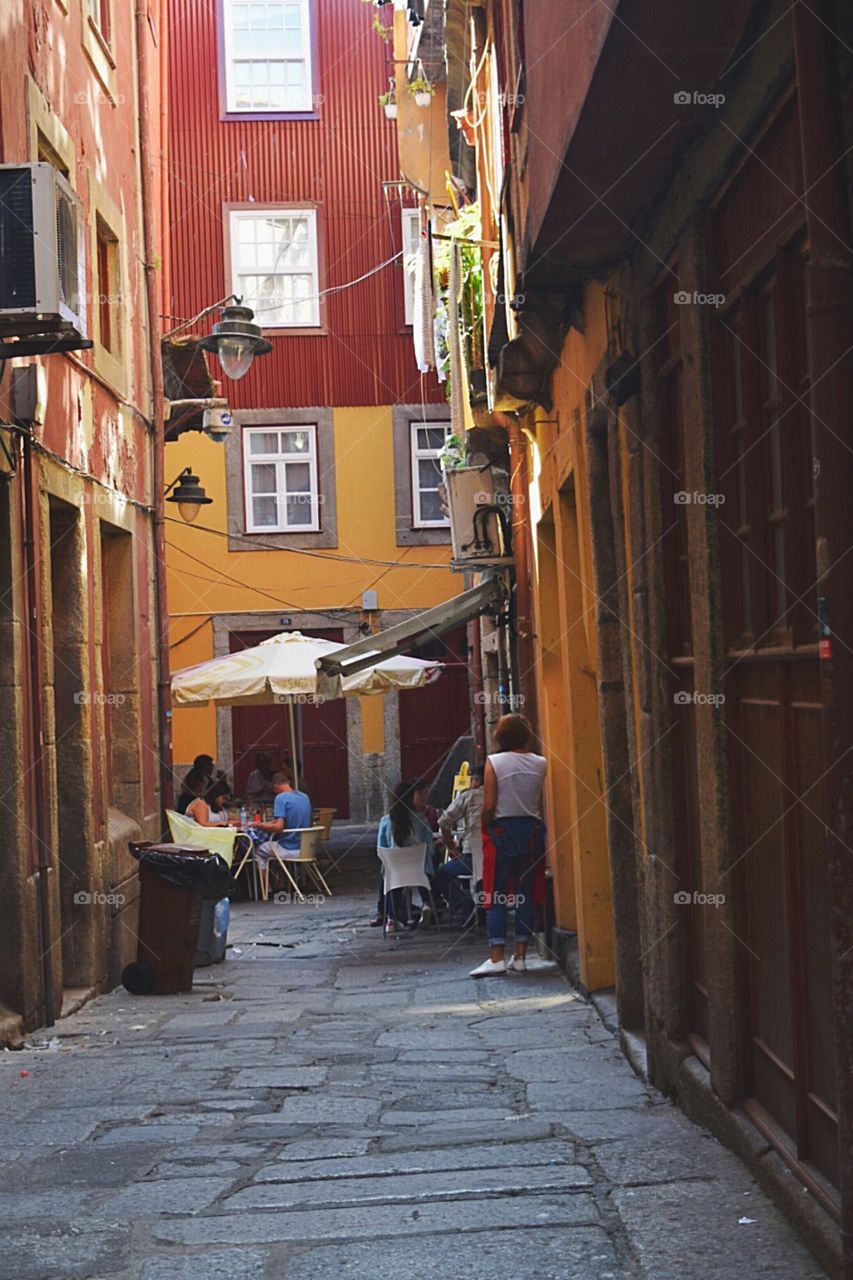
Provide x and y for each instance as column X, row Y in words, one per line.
column 291, row 810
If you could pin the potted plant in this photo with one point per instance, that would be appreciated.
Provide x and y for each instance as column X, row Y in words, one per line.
column 381, row 29
column 452, row 454
column 421, row 90
column 388, row 104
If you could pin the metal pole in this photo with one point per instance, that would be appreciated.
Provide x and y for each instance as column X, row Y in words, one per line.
column 293, row 744
column 522, row 661
column 158, row 478
column 38, row 819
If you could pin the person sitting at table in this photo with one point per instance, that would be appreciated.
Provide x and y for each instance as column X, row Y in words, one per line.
column 465, row 811
column 429, row 811
column 404, row 824
column 194, row 784
column 204, row 765
column 292, row 811
column 259, row 788
column 210, row 809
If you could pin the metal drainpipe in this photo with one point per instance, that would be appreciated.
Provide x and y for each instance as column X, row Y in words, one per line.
column 39, row 819
column 521, row 638
column 164, row 703
column 830, row 333
column 477, row 698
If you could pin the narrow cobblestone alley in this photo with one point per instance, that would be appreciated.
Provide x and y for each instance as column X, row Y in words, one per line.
column 328, row 1103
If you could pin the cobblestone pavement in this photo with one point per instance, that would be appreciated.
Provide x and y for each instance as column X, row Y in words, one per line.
column 331, row 1104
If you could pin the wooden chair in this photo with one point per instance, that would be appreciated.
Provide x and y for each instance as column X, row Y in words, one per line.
column 309, row 839
column 323, row 818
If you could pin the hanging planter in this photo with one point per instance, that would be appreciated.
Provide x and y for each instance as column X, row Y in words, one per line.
column 421, row 90
column 388, row 100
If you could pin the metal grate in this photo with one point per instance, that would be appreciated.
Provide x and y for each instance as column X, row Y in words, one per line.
column 67, row 250
column 17, row 248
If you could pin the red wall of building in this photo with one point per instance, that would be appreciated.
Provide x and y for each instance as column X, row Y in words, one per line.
column 339, row 160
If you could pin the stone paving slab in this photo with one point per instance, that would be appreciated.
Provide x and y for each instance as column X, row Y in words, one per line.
column 550, row 1253
column 664, row 1222
column 501, row 1155
column 380, row 1222
column 54, row 1254
column 416, row 1188
column 326, row 1104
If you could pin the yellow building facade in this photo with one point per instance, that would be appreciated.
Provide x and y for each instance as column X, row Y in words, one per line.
column 223, row 584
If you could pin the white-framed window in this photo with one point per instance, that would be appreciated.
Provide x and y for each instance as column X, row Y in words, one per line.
column 268, row 67
column 411, row 246
column 274, row 266
column 280, row 478
column 427, row 441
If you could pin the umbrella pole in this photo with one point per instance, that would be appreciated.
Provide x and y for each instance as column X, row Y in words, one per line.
column 293, row 756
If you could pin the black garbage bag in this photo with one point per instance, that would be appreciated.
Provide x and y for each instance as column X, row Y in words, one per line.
column 188, row 868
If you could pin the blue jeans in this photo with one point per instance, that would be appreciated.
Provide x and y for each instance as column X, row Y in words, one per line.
column 506, row 869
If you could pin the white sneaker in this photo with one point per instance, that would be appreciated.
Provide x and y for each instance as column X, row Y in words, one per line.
column 489, row 969
column 516, row 964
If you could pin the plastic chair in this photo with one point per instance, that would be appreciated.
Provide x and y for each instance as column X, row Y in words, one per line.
column 215, row 839
column 221, row 840
column 403, row 868
column 309, row 839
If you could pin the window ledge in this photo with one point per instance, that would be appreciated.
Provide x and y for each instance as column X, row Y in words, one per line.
column 295, row 331
column 274, row 540
column 429, row 537
column 297, row 116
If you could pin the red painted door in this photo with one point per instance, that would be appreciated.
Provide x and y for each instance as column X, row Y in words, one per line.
column 431, row 719
column 325, row 760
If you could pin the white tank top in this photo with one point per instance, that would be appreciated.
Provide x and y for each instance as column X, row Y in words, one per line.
column 520, row 776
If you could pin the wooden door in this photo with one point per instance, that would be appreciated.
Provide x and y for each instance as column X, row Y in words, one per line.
column 432, row 718
column 323, row 729
column 772, row 685
column 687, row 880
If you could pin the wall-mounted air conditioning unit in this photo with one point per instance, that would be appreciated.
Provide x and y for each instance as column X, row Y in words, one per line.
column 42, row 282
column 478, row 504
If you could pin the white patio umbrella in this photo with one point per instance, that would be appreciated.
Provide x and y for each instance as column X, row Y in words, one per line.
column 283, row 670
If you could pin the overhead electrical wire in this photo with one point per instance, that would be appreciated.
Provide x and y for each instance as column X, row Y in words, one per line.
column 226, row 577
column 253, row 540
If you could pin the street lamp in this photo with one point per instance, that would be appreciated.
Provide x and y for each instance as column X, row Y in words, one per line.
column 188, row 494
column 236, row 340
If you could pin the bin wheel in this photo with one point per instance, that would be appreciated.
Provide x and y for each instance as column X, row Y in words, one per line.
column 138, row 978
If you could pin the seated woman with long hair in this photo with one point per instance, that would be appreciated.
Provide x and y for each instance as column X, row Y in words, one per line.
column 404, row 825
column 209, row 810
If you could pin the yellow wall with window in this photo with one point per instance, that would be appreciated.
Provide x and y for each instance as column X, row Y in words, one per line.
column 206, row 578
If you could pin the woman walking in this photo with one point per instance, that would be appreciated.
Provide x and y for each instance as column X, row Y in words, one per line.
column 513, row 842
